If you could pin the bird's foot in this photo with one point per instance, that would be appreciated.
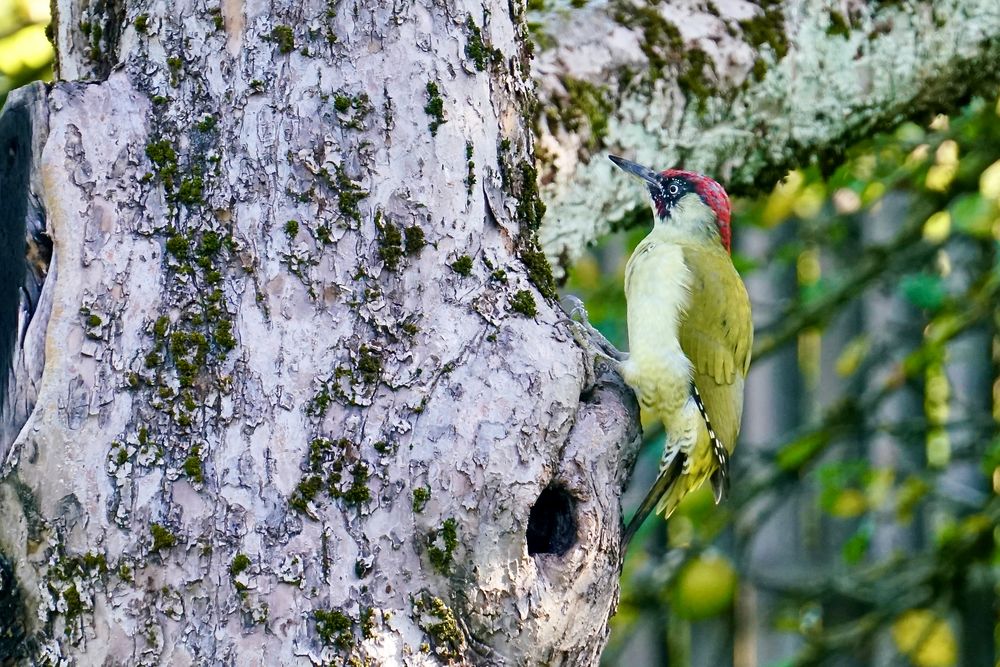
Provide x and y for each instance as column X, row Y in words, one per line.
column 588, row 337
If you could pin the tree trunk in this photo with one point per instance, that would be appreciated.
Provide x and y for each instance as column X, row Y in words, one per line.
column 769, row 533
column 287, row 378
column 892, row 324
column 301, row 398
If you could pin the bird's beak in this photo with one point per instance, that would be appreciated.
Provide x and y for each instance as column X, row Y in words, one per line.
column 637, row 170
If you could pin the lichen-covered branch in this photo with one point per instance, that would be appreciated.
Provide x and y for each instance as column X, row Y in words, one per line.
column 743, row 91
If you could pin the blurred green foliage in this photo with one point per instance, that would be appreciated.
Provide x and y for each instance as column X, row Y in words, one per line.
column 938, row 259
column 25, row 52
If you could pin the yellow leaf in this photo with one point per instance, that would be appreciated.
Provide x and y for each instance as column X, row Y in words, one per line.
column 947, row 152
column 36, row 11
column 782, row 199
column 918, row 155
column 808, row 267
column 911, row 492
column 925, row 638
column 879, row 487
column 852, row 356
column 873, row 192
column 705, row 587
column 938, row 226
column 940, row 122
column 27, row 48
column 939, row 176
column 864, row 167
column 810, row 201
column 938, row 448
column 849, row 504
column 989, row 181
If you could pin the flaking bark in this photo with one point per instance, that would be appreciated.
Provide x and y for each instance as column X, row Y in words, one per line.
column 290, row 384
column 299, row 394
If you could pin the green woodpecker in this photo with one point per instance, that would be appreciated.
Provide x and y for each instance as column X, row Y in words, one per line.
column 689, row 334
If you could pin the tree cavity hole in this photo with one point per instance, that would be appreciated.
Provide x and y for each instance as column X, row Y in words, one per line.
column 552, row 522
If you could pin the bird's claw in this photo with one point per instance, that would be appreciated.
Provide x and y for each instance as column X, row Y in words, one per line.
column 577, row 311
column 584, row 333
column 587, row 336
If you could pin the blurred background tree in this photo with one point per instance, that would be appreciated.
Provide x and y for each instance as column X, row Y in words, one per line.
column 863, row 523
column 25, row 51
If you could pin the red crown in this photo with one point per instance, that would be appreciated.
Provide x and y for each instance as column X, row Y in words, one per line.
column 714, row 195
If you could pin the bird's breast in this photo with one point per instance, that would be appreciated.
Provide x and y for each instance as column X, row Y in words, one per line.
column 657, row 291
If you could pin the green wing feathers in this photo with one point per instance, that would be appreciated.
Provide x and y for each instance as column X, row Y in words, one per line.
column 716, row 335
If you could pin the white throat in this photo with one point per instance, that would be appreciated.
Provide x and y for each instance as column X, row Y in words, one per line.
column 690, row 221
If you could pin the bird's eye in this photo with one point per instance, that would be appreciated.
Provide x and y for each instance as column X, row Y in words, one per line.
column 673, row 189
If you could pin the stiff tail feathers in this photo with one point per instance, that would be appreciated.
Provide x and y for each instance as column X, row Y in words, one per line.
column 667, row 493
column 665, row 482
column 720, row 478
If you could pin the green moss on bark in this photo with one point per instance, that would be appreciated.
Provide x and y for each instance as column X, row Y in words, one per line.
column 441, row 545
column 162, row 537
column 434, row 107
column 284, row 37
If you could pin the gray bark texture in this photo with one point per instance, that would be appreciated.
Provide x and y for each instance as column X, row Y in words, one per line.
column 299, row 396
column 288, row 381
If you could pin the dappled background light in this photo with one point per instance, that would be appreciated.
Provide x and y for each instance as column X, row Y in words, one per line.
column 861, row 530
column 25, row 51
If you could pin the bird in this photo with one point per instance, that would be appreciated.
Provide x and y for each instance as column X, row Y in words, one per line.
column 690, row 334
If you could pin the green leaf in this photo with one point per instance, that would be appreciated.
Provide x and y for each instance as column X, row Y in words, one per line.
column 991, row 459
column 856, row 546
column 923, row 290
column 783, row 663
column 796, row 453
column 744, row 263
column 973, row 215
column 811, row 293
